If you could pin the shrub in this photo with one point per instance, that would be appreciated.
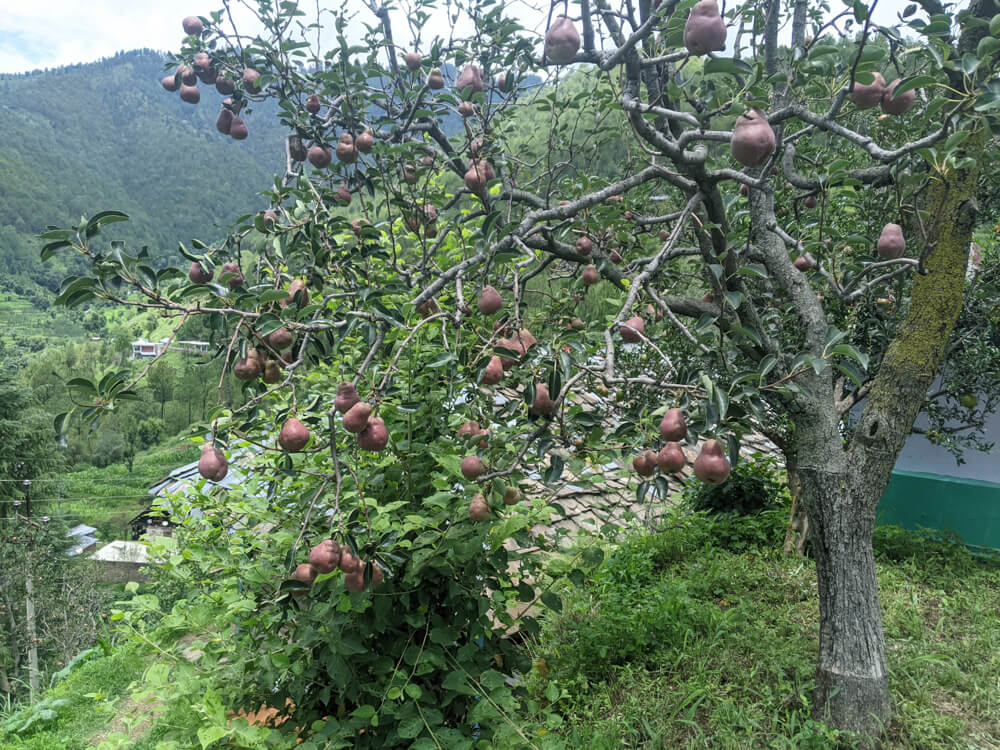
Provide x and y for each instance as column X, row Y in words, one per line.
column 755, row 485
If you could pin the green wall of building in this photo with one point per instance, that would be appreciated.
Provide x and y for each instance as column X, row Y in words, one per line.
column 969, row 508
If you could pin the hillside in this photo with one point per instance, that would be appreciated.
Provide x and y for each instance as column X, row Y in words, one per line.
column 84, row 138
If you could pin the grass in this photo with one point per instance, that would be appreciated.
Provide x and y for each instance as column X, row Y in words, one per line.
column 679, row 642
column 81, row 706
column 108, row 497
column 702, row 636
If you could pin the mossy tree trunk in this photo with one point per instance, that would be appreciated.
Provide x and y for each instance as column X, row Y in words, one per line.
column 841, row 492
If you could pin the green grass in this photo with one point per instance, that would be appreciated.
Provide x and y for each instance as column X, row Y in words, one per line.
column 681, row 643
column 84, row 703
column 108, row 497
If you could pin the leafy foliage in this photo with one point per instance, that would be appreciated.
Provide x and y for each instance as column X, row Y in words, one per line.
column 754, row 485
column 365, row 269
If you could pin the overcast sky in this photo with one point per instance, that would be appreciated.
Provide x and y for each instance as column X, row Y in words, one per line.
column 48, row 33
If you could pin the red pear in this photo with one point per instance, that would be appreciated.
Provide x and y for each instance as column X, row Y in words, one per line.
column 279, row 339
column 190, row 94
column 251, row 80
column 320, row 156
column 347, row 397
column 365, row 142
column 671, row 458
column 293, row 436
column 753, row 139
column 356, row 418
column 901, row 104
column 224, row 122
column 199, row 274
column 644, row 464
column 325, row 556
column 632, row 329
column 435, row 80
column 193, row 25
column 543, row 404
column 705, row 31
column 493, row 373
column 584, row 245
column 375, row 437
column 673, row 426
column 479, row 509
column 306, row 573
column 213, row 464
column 590, row 275
column 413, row 61
column 866, row 96
column 891, row 242
column 347, row 152
column 471, row 77
column 313, row 104
column 238, row 130
column 712, row 466
column 473, row 467
column 562, row 41
column 490, row 301
column 236, row 276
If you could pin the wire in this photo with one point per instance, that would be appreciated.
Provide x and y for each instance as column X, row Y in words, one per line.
column 61, row 499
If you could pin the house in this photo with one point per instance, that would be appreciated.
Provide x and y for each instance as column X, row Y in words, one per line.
column 142, row 348
column 156, row 520
column 83, row 539
column 121, row 561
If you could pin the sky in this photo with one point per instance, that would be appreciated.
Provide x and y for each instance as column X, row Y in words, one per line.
column 48, row 33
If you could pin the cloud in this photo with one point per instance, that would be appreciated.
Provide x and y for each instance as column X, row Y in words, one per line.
column 51, row 33
column 48, row 33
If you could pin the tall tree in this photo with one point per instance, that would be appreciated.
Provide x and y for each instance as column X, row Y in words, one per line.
column 760, row 179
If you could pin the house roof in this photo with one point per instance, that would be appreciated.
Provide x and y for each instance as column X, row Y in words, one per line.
column 81, row 530
column 83, row 543
column 180, row 479
column 122, row 551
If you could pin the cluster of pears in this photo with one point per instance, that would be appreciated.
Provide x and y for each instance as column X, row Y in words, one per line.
column 185, row 79
column 866, row 96
column 371, row 431
column 473, row 467
column 710, row 466
column 328, row 556
column 347, row 149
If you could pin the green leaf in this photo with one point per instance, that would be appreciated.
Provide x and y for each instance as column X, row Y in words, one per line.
column 847, row 350
column 726, row 65
column 208, row 736
column 410, row 729
column 83, row 385
column 525, row 593
column 555, row 470
column 552, row 600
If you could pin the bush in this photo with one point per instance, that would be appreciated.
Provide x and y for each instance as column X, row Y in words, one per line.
column 755, row 485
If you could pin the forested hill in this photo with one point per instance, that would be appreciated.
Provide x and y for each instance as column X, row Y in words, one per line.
column 89, row 137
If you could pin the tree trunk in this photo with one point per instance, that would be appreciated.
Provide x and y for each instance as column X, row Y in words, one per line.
column 29, row 620
column 852, row 679
column 797, row 533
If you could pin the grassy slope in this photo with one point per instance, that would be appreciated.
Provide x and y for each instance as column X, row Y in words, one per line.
column 107, row 498
column 679, row 643
column 94, row 693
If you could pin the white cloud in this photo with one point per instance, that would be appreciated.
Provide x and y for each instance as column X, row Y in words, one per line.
column 48, row 33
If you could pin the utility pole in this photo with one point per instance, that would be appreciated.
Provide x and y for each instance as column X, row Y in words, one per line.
column 29, row 606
